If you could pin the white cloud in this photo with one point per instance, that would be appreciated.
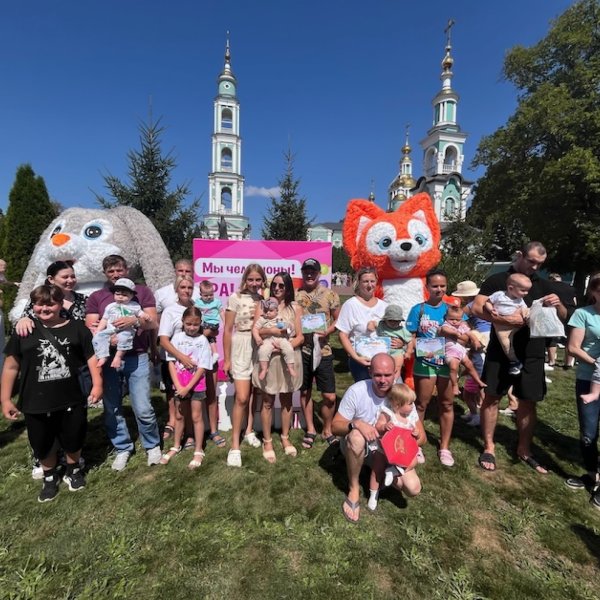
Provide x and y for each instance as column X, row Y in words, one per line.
column 263, row 192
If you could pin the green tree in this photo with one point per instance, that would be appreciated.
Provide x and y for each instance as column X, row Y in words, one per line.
column 543, row 167
column 286, row 217
column 340, row 260
column 29, row 213
column 149, row 191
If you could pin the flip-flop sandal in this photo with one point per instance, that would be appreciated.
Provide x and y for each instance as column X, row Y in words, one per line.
column 332, row 440
column 309, row 440
column 487, row 457
column 167, row 456
column 217, row 438
column 354, row 506
column 196, row 462
column 534, row 464
column 168, row 432
column 189, row 444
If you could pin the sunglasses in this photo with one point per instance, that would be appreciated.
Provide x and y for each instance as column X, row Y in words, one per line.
column 278, row 285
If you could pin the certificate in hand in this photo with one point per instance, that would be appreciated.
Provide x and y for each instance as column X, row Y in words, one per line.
column 431, row 350
column 314, row 323
column 368, row 346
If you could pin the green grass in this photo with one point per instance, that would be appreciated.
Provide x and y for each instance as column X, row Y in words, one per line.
column 277, row 531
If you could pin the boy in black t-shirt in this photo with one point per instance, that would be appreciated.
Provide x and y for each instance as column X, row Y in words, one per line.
column 50, row 396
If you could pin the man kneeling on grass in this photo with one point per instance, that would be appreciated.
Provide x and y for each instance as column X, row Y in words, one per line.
column 355, row 421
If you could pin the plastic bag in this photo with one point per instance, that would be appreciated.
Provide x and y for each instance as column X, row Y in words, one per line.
column 544, row 321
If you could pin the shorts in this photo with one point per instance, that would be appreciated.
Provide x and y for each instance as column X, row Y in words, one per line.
column 529, row 385
column 323, row 374
column 370, row 448
column 242, row 354
column 68, row 425
column 421, row 369
column 456, row 351
column 214, row 329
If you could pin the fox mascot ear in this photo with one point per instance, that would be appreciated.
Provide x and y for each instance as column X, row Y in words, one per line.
column 414, row 222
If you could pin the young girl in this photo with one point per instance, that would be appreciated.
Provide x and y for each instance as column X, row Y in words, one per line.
column 192, row 343
column 50, row 394
column 397, row 410
column 456, row 352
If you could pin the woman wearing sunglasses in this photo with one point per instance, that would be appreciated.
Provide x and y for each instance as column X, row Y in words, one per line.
column 278, row 379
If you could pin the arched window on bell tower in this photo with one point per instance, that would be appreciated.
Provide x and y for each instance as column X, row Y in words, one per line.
column 450, row 159
column 226, row 119
column 226, row 199
column 226, row 160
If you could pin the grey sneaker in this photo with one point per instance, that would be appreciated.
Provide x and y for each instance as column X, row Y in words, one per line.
column 121, row 460
column 154, row 456
column 76, row 480
column 49, row 489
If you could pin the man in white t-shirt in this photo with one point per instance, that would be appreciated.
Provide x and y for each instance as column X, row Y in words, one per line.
column 355, row 421
column 166, row 295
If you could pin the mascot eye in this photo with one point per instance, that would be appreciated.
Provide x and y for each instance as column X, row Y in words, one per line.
column 92, row 232
column 420, row 239
column 385, row 243
column 56, row 230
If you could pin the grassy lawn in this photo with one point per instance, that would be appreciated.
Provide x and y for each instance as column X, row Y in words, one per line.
column 277, row 531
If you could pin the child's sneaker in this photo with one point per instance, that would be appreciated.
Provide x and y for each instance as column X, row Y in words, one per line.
column 37, row 472
column 390, row 474
column 514, row 368
column 75, row 480
column 49, row 488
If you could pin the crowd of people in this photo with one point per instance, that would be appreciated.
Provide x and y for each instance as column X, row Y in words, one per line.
column 68, row 351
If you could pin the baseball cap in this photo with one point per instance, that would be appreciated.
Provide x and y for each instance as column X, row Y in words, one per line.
column 311, row 263
column 123, row 283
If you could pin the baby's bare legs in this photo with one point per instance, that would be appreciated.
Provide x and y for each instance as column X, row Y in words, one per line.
column 593, row 395
column 453, row 365
column 468, row 364
column 117, row 360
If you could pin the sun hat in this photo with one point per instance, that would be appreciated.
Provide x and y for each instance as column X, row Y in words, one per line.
column 123, row 283
column 466, row 289
column 393, row 312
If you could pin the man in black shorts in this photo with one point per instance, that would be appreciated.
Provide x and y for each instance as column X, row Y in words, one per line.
column 315, row 298
column 529, row 386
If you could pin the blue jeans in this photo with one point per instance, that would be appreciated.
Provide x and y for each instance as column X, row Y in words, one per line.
column 359, row 372
column 589, row 418
column 136, row 371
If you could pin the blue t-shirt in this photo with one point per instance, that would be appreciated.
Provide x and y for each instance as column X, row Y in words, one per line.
column 211, row 311
column 429, row 322
column 587, row 318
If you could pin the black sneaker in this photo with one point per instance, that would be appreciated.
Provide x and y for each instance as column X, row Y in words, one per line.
column 577, row 483
column 595, row 499
column 75, row 480
column 49, row 488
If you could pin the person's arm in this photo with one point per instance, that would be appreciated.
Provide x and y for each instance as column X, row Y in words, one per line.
column 383, row 424
column 10, row 372
column 349, row 349
column 480, row 310
column 180, row 390
column 341, row 426
column 96, row 374
column 576, row 337
column 227, row 336
column 256, row 335
column 419, row 433
column 298, row 339
column 91, row 321
column 184, row 359
column 102, row 323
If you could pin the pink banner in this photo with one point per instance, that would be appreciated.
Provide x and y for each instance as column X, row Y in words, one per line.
column 222, row 262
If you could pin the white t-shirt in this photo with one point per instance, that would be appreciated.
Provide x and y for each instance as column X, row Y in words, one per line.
column 361, row 402
column 197, row 348
column 411, row 420
column 354, row 317
column 170, row 320
column 504, row 304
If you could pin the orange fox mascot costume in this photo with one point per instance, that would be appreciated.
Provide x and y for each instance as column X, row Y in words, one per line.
column 402, row 246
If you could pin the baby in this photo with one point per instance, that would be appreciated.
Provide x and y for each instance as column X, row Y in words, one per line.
column 212, row 315
column 397, row 410
column 508, row 303
column 391, row 325
column 594, row 393
column 268, row 345
column 123, row 290
column 455, row 350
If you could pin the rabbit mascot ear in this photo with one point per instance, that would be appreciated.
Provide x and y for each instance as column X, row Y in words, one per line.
column 86, row 236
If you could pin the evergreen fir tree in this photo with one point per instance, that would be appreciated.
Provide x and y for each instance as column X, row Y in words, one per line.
column 286, row 218
column 149, row 192
column 29, row 213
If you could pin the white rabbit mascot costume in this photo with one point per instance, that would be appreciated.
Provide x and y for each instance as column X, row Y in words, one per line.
column 86, row 236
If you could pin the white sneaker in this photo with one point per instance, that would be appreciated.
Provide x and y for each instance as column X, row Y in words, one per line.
column 37, row 472
column 548, row 380
column 121, row 460
column 390, row 473
column 234, row 458
column 154, row 456
column 372, row 502
column 252, row 440
column 548, row 367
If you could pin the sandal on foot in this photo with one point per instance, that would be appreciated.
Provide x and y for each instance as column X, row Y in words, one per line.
column 309, row 440
column 290, row 449
column 196, row 462
column 487, row 458
column 446, row 458
column 167, row 456
column 534, row 464
column 168, row 432
column 269, row 455
column 332, row 440
column 252, row 440
column 234, row 458
column 354, row 508
column 217, row 438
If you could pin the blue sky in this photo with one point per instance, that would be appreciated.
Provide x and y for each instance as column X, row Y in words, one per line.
column 337, row 80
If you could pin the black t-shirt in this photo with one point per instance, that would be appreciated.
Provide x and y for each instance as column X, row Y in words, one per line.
column 524, row 345
column 49, row 380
